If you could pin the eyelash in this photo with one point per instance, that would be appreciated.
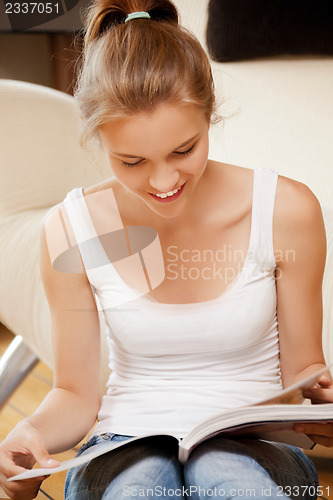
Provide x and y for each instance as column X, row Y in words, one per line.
column 125, row 164
column 187, row 152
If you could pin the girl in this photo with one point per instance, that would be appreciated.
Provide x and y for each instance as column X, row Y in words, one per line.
column 208, row 276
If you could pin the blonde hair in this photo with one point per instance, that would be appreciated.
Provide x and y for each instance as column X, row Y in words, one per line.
column 132, row 67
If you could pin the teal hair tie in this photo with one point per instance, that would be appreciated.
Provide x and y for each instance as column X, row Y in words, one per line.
column 137, row 15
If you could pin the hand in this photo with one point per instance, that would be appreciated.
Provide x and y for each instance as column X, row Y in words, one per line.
column 321, row 433
column 22, row 448
column 322, row 392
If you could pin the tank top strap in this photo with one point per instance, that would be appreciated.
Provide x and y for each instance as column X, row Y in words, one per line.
column 101, row 271
column 90, row 247
column 261, row 242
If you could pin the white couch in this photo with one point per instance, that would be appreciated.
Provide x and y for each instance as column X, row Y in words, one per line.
column 277, row 114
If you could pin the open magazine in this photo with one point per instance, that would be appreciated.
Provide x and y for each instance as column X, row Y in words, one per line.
column 271, row 419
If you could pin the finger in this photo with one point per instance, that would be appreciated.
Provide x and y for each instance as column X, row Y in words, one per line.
column 9, row 469
column 324, row 381
column 22, row 490
column 41, row 455
column 319, row 395
column 321, row 429
column 48, row 462
column 322, row 440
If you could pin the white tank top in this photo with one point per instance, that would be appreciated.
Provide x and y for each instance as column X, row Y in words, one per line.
column 173, row 365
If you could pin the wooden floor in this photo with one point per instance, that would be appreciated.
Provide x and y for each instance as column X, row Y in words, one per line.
column 23, row 403
column 31, row 392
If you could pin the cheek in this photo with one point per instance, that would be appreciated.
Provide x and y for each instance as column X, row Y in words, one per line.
column 129, row 177
column 197, row 163
column 118, row 172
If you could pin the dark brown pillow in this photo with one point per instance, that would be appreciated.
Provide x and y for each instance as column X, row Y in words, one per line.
column 244, row 29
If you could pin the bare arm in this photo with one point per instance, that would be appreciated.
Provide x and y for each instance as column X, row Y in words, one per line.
column 301, row 244
column 69, row 410
column 300, row 239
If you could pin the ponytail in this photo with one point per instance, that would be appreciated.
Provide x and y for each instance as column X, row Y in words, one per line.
column 105, row 14
column 131, row 67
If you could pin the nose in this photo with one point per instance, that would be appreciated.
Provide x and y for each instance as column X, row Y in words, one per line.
column 163, row 178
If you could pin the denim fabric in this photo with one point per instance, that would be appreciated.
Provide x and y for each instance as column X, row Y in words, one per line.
column 217, row 468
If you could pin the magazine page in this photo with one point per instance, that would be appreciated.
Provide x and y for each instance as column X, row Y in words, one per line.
column 264, row 422
column 90, row 454
column 294, row 393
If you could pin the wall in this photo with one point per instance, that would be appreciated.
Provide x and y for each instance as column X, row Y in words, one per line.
column 26, row 57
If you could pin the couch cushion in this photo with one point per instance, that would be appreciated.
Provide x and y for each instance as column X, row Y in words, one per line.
column 243, row 29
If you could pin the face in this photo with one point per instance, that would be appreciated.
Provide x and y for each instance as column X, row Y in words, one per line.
column 159, row 156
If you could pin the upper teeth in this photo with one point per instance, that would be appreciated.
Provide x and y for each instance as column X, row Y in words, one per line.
column 170, row 193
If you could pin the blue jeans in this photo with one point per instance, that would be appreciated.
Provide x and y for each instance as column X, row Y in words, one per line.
column 217, row 468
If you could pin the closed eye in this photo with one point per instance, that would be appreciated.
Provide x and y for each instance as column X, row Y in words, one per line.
column 188, row 151
column 135, row 164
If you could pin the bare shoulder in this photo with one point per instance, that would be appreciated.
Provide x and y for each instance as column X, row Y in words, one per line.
column 231, row 173
column 232, row 183
column 110, row 183
column 60, row 258
column 296, row 206
column 297, row 216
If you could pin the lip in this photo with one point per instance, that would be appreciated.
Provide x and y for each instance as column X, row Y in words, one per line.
column 169, row 199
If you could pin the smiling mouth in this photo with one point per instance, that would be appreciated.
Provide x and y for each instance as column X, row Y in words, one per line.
column 170, row 195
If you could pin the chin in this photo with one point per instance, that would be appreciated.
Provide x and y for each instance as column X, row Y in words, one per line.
column 167, row 213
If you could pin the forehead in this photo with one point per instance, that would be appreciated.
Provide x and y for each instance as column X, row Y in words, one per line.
column 167, row 127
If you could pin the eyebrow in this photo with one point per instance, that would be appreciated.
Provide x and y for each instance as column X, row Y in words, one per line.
column 178, row 147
